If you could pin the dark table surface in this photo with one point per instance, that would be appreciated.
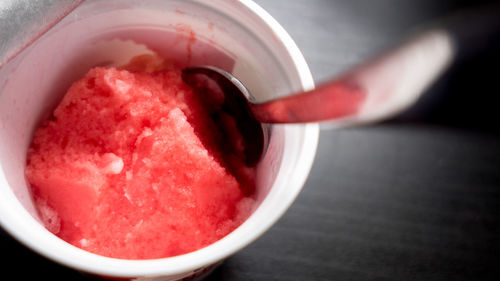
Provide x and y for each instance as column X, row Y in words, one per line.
column 414, row 198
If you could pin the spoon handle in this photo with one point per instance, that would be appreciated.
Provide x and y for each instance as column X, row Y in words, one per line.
column 392, row 81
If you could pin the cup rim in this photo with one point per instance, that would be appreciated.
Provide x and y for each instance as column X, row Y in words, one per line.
column 16, row 224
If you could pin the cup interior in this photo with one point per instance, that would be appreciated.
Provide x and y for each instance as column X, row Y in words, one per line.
column 227, row 34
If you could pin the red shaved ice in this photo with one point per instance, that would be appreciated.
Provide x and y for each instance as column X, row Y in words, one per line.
column 130, row 166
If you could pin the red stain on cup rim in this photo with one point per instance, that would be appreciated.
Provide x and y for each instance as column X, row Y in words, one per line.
column 186, row 29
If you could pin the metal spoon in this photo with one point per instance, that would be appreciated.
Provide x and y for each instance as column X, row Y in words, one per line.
column 375, row 90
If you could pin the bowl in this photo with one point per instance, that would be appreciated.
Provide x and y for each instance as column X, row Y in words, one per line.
column 238, row 36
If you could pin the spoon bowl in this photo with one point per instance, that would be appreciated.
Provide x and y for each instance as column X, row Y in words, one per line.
column 227, row 96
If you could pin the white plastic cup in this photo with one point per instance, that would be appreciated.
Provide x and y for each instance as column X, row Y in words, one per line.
column 238, row 36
